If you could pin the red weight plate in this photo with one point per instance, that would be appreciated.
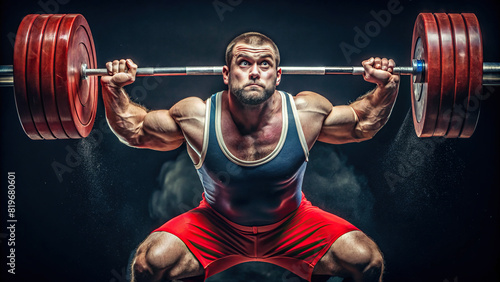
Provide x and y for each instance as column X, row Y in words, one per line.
column 447, row 74
column 19, row 71
column 76, row 97
column 47, row 88
column 33, row 76
column 426, row 96
column 476, row 75
column 461, row 75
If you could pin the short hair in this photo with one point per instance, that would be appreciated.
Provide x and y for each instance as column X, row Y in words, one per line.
column 251, row 38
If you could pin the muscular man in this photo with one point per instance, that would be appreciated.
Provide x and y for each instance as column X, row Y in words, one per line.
column 250, row 146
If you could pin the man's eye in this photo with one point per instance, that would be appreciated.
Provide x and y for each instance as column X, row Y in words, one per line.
column 265, row 63
column 244, row 63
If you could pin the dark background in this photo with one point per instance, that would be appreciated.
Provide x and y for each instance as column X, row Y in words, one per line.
column 431, row 204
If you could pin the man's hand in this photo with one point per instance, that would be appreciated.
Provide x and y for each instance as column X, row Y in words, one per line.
column 120, row 73
column 379, row 71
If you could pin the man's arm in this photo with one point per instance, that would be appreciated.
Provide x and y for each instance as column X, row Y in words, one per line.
column 358, row 121
column 132, row 123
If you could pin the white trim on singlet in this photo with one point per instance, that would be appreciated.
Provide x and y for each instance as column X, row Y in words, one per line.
column 192, row 147
column 206, row 133
column 302, row 137
column 229, row 155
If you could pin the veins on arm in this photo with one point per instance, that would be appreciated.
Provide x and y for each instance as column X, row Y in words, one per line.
column 373, row 110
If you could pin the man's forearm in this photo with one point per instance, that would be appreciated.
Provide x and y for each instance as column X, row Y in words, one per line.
column 374, row 108
column 124, row 116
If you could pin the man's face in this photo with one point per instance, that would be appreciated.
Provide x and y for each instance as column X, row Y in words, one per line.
column 253, row 76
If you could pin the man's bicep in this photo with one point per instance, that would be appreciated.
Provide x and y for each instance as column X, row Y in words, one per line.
column 161, row 123
column 161, row 132
column 186, row 113
column 340, row 116
column 339, row 126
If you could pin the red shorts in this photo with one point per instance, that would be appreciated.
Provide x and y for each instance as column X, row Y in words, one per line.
column 295, row 243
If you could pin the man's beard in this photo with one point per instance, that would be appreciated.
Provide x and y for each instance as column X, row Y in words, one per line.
column 246, row 98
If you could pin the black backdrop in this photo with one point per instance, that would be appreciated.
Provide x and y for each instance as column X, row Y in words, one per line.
column 431, row 205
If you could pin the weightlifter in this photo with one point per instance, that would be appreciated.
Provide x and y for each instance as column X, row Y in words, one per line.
column 250, row 146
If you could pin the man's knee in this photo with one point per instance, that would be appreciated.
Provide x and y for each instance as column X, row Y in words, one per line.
column 145, row 266
column 141, row 270
column 371, row 264
column 361, row 257
column 163, row 256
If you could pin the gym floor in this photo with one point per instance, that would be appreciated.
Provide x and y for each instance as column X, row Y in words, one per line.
column 82, row 206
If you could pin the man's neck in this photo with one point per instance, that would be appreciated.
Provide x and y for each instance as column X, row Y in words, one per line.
column 251, row 118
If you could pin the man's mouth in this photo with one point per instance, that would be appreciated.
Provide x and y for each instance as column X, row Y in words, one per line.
column 254, row 84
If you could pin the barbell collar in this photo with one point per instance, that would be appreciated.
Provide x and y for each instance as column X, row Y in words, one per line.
column 6, row 70
column 6, row 75
column 491, row 73
column 6, row 81
column 491, row 67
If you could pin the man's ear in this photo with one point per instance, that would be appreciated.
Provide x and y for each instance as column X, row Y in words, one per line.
column 278, row 77
column 225, row 74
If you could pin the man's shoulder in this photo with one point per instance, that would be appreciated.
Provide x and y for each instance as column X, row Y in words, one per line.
column 309, row 100
column 189, row 107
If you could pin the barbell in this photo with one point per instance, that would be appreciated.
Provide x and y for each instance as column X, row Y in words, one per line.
column 55, row 82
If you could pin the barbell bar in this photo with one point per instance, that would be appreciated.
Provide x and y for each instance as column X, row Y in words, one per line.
column 490, row 71
column 55, row 76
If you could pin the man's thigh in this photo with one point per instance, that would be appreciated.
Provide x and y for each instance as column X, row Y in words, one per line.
column 346, row 253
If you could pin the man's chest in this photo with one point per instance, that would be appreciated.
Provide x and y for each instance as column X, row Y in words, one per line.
column 254, row 145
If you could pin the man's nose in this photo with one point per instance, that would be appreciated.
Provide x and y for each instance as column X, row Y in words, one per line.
column 254, row 71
